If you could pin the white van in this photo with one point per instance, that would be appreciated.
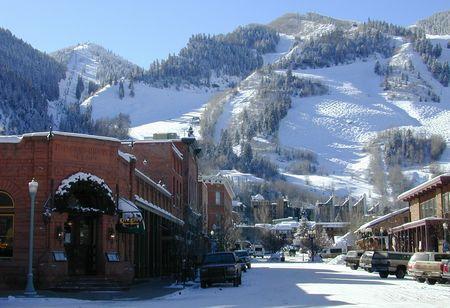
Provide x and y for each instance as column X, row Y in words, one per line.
column 258, row 251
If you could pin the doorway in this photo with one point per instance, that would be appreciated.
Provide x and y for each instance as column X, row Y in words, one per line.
column 81, row 244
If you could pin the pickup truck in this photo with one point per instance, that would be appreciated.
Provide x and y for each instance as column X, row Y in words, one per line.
column 426, row 266
column 352, row 258
column 220, row 267
column 385, row 263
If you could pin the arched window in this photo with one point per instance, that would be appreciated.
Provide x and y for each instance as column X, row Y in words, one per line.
column 5, row 200
column 6, row 226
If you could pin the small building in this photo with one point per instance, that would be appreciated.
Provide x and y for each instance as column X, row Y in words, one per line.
column 373, row 235
column 219, row 196
column 429, row 206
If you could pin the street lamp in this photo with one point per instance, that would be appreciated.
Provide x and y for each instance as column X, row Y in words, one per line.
column 445, row 227
column 29, row 290
column 311, row 234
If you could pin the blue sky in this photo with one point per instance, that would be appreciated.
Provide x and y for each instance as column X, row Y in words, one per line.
column 143, row 31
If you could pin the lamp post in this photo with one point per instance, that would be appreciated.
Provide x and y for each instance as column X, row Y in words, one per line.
column 213, row 243
column 445, row 227
column 311, row 234
column 29, row 290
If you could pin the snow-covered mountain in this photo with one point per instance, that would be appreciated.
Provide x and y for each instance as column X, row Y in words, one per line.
column 306, row 92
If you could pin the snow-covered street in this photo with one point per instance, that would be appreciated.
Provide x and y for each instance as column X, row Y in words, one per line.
column 283, row 285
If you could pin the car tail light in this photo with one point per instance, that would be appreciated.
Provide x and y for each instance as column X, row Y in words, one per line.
column 445, row 268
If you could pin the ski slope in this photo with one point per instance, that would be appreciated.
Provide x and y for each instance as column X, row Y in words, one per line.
column 151, row 110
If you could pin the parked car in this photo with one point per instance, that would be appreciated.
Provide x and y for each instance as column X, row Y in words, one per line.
column 426, row 266
column 258, row 251
column 330, row 252
column 352, row 258
column 277, row 257
column 385, row 263
column 244, row 259
column 220, row 267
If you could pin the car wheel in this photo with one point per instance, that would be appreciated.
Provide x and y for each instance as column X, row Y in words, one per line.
column 249, row 266
column 400, row 273
column 442, row 281
column 244, row 269
column 203, row 284
column 421, row 280
column 383, row 274
column 370, row 270
column 354, row 267
column 431, row 281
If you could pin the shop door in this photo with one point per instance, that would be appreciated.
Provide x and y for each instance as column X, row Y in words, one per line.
column 81, row 245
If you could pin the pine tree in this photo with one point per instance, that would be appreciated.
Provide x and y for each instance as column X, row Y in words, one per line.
column 131, row 87
column 80, row 87
column 121, row 90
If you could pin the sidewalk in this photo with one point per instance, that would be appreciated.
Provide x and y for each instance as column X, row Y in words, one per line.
column 148, row 289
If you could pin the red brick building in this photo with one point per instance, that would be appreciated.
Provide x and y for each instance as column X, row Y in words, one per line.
column 103, row 208
column 219, row 203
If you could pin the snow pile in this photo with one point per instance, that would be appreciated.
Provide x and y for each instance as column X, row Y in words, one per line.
column 339, row 260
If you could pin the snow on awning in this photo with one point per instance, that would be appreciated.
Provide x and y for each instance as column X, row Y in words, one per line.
column 146, row 205
column 381, row 219
column 129, row 209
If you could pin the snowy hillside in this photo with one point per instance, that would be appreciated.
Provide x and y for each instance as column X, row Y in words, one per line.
column 94, row 64
column 151, row 110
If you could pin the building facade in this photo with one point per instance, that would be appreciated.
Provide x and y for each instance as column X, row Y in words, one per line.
column 101, row 209
column 429, row 206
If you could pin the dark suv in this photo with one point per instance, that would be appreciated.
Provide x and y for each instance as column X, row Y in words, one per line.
column 220, row 267
column 385, row 263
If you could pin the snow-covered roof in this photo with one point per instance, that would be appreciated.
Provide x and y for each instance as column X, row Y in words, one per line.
column 175, row 149
column 422, row 188
column 18, row 138
column 348, row 239
column 417, row 223
column 286, row 226
column 359, row 201
column 328, row 202
column 258, row 197
column 381, row 219
column 146, row 205
column 332, row 224
column 158, row 186
column 236, row 203
column 126, row 156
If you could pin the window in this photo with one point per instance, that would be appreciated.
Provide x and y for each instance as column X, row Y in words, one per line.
column 6, row 235
column 6, row 226
column 428, row 208
column 5, row 200
column 217, row 197
column 446, row 205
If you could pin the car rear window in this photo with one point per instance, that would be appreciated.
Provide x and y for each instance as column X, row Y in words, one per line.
column 335, row 250
column 219, row 258
column 241, row 253
column 441, row 256
column 258, row 249
column 420, row 257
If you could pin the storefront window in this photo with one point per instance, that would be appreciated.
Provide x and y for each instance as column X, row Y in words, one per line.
column 428, row 208
column 6, row 235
